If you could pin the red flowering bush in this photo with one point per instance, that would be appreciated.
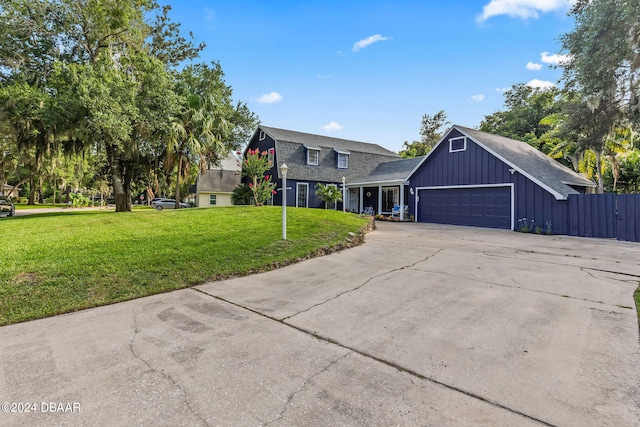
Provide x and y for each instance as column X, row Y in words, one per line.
column 255, row 165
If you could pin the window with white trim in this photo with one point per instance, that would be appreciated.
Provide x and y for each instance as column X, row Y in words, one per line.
column 302, row 195
column 262, row 135
column 212, row 200
column 313, row 156
column 343, row 161
column 457, row 144
column 271, row 155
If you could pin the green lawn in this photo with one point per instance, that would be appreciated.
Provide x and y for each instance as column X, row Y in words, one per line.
column 61, row 262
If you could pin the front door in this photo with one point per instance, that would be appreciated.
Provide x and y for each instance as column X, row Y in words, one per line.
column 390, row 198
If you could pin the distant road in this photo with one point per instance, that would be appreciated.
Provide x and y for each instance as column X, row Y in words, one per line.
column 24, row 212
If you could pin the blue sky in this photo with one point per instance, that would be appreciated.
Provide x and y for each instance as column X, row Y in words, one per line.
column 368, row 71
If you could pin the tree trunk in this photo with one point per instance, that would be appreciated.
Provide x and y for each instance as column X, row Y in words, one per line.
column 40, row 199
column 55, row 186
column 599, row 172
column 120, row 192
column 178, row 182
column 32, row 191
column 3, row 176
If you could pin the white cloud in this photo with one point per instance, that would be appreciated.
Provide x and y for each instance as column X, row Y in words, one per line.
column 534, row 66
column 369, row 40
column 477, row 98
column 502, row 89
column 269, row 98
column 209, row 14
column 331, row 127
column 523, row 9
column 541, row 84
column 555, row 58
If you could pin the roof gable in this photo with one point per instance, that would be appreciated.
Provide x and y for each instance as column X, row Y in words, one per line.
column 525, row 159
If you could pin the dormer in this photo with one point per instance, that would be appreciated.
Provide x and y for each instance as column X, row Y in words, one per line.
column 342, row 159
column 313, row 155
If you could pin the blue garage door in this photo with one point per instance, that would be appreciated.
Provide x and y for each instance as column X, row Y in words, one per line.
column 475, row 206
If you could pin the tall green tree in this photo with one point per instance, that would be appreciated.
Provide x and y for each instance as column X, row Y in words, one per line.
column 430, row 135
column 604, row 70
column 604, row 52
column 193, row 137
column 107, row 69
column 208, row 126
column 522, row 120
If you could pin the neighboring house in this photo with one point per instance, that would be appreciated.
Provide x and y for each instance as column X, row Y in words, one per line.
column 313, row 159
column 215, row 186
column 480, row 179
column 10, row 191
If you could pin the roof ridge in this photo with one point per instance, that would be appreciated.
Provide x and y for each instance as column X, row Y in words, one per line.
column 324, row 137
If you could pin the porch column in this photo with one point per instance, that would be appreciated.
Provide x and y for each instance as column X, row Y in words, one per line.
column 360, row 207
column 379, row 199
column 401, row 202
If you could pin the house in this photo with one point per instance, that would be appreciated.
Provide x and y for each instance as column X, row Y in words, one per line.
column 215, row 186
column 480, row 179
column 469, row 178
column 10, row 191
column 314, row 159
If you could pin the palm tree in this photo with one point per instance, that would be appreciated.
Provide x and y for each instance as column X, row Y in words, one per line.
column 195, row 138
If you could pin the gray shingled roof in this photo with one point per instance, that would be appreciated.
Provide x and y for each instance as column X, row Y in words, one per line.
column 540, row 168
column 398, row 170
column 290, row 149
column 312, row 140
column 218, row 181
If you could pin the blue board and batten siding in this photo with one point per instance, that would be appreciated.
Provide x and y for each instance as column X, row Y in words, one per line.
column 605, row 216
column 475, row 174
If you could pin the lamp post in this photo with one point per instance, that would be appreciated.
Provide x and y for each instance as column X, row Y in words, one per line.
column 283, row 173
column 344, row 194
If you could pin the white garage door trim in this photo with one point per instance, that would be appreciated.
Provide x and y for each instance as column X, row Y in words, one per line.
column 447, row 187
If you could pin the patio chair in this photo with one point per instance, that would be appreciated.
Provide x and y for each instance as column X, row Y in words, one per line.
column 395, row 212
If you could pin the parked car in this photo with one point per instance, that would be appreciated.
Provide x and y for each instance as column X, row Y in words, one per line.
column 167, row 204
column 7, row 206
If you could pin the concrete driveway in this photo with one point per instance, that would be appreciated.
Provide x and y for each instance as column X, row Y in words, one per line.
column 422, row 325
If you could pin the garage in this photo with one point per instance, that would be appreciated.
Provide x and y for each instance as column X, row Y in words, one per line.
column 474, row 178
column 479, row 206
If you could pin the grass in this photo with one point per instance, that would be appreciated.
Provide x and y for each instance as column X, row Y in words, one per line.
column 62, row 262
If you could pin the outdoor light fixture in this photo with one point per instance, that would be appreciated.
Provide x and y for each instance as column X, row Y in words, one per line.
column 283, row 173
column 344, row 194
